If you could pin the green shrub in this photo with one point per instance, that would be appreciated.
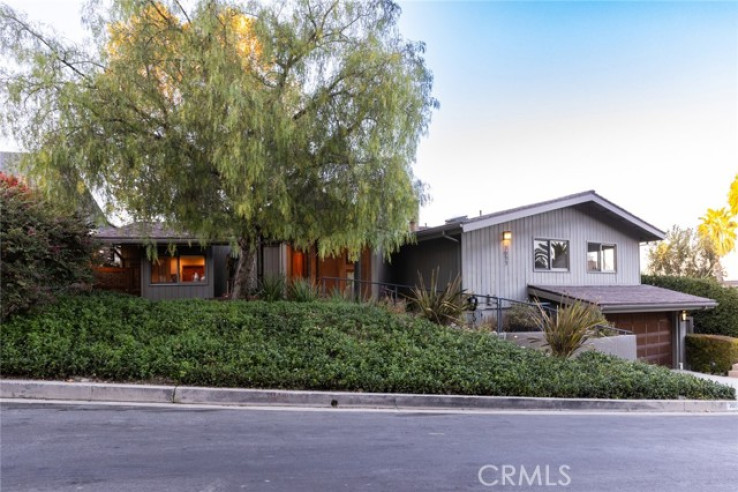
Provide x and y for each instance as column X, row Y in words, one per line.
column 441, row 306
column 522, row 317
column 714, row 354
column 311, row 345
column 723, row 320
column 43, row 252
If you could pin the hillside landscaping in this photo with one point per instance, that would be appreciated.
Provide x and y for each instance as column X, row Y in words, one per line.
column 319, row 345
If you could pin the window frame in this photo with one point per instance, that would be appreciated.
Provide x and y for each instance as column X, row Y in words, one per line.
column 551, row 268
column 177, row 257
column 600, row 257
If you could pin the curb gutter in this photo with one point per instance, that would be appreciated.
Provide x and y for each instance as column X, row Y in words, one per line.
column 134, row 393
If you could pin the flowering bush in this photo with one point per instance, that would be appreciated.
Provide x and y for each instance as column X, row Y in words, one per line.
column 42, row 252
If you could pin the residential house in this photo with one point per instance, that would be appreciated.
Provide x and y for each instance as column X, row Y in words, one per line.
column 183, row 268
column 580, row 246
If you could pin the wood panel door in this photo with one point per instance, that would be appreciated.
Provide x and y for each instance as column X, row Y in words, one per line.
column 654, row 335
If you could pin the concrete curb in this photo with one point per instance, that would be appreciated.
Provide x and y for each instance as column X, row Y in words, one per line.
column 133, row 393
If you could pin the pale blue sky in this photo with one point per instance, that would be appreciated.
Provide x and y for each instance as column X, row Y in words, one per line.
column 636, row 100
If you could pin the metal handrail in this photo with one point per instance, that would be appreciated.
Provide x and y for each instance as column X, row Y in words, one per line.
column 619, row 331
column 394, row 291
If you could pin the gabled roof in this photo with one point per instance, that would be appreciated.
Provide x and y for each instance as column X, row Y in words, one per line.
column 141, row 232
column 623, row 298
column 587, row 202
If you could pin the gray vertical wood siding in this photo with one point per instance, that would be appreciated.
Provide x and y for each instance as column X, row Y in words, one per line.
column 423, row 258
column 273, row 261
column 485, row 272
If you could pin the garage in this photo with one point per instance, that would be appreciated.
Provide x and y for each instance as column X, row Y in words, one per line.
column 651, row 313
column 654, row 334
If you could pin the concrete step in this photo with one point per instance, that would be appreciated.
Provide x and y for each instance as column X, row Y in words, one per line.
column 734, row 372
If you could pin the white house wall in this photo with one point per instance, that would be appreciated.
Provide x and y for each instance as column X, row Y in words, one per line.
column 486, row 272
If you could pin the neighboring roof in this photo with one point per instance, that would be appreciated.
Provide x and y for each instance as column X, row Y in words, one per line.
column 141, row 232
column 587, row 202
column 623, row 298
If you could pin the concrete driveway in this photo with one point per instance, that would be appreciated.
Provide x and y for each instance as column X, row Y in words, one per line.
column 713, row 377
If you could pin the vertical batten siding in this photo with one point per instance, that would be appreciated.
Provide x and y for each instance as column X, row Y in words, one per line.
column 423, row 258
column 273, row 261
column 485, row 271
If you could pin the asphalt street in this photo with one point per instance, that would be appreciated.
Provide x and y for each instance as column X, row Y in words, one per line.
column 91, row 447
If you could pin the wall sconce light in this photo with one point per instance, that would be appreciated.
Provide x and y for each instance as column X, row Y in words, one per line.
column 506, row 238
column 684, row 315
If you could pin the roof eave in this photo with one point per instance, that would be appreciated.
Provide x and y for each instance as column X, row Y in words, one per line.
column 648, row 232
column 439, row 232
column 160, row 240
column 625, row 308
column 653, row 308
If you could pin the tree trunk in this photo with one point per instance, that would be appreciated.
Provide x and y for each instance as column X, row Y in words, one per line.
column 244, row 279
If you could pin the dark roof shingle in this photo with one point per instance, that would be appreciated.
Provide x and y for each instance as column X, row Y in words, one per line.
column 624, row 298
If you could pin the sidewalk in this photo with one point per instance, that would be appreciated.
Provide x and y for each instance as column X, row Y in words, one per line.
column 133, row 393
column 712, row 377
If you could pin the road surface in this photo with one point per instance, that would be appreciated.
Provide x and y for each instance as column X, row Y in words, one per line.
column 86, row 447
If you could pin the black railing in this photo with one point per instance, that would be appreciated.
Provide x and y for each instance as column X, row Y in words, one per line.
column 354, row 288
column 478, row 304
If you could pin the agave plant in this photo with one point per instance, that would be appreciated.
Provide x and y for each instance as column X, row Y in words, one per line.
column 273, row 288
column 441, row 306
column 566, row 330
column 302, row 290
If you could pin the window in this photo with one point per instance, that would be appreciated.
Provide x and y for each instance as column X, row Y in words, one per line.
column 551, row 254
column 600, row 257
column 178, row 269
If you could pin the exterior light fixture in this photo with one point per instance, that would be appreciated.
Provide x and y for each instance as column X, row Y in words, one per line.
column 506, row 238
column 684, row 316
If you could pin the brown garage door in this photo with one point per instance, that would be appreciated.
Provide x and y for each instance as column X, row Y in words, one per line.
column 653, row 334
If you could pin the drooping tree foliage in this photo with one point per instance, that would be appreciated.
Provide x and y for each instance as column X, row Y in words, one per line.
column 290, row 121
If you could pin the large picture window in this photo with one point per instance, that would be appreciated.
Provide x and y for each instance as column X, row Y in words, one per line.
column 178, row 269
column 551, row 254
column 601, row 257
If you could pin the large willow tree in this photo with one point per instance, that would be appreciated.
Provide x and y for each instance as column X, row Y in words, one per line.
column 289, row 121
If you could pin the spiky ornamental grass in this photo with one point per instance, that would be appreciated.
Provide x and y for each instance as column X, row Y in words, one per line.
column 566, row 329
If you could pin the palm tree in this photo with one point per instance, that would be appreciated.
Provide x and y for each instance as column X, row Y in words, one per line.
column 733, row 196
column 719, row 227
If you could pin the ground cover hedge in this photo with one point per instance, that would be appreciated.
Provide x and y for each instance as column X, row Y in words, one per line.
column 314, row 345
column 723, row 320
